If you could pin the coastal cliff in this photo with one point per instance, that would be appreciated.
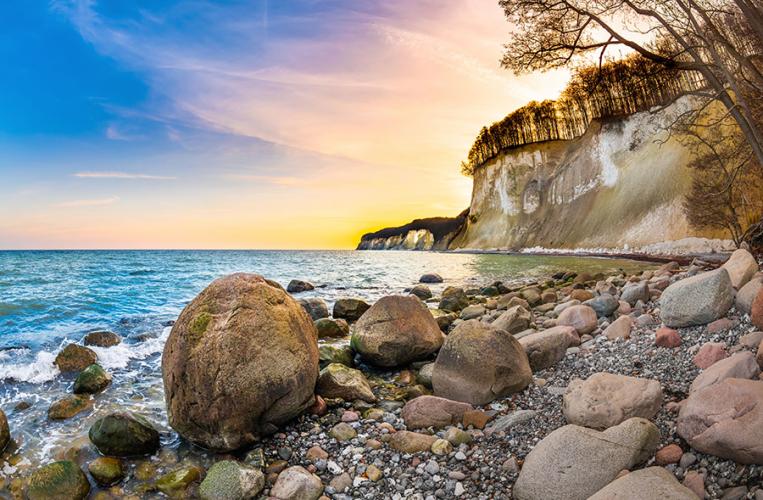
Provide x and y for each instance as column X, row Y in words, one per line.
column 435, row 233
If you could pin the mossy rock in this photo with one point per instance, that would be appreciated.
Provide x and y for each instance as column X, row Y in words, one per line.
column 91, row 380
column 62, row 480
column 230, row 480
column 69, row 407
column 335, row 354
column 175, row 483
column 332, row 328
column 124, row 434
column 106, row 470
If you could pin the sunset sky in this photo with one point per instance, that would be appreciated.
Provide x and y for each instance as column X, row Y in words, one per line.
column 242, row 124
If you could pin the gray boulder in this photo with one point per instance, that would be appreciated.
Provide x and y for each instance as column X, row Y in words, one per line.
column 299, row 286
column 340, row 381
column 604, row 305
column 698, row 300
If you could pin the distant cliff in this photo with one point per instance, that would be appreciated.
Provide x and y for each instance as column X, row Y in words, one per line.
column 435, row 233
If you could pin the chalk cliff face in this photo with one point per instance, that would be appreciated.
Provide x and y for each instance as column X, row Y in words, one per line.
column 422, row 234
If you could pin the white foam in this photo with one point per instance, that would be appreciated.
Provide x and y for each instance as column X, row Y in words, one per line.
column 38, row 371
column 119, row 356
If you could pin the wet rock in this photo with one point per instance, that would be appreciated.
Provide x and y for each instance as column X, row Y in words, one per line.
column 75, row 358
column 698, row 300
column 177, row 482
column 604, row 305
column 299, row 286
column 581, row 318
column 231, row 480
column 332, row 328
column 741, row 267
column 69, row 406
column 396, row 330
column 330, row 353
column 241, row 360
column 747, row 294
column 421, row 291
column 634, row 292
column 430, row 278
column 740, row 365
column 91, row 380
column 546, row 348
column 124, row 434
column 433, row 411
column 479, row 363
column 102, row 339
column 607, row 399
column 574, row 462
column 338, row 381
column 106, row 471
column 514, row 320
column 620, row 328
column 5, row 431
column 667, row 337
column 296, row 483
column 710, row 353
column 652, row 483
column 350, row 309
column 411, row 442
column 315, row 307
column 58, row 480
column 453, row 299
column 725, row 420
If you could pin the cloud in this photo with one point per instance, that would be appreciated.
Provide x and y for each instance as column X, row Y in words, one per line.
column 89, row 203
column 120, row 175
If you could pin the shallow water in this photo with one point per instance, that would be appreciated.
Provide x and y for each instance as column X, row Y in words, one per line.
column 50, row 298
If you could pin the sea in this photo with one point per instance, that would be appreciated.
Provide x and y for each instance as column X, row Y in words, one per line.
column 51, row 298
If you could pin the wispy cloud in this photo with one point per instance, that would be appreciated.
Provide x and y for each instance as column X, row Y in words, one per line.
column 89, row 202
column 121, row 175
column 278, row 180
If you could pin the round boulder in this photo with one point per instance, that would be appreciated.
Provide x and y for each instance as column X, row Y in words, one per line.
column 332, row 328
column 430, row 278
column 124, row 434
column 396, row 330
column 91, row 380
column 75, row 358
column 581, row 318
column 230, row 480
column 241, row 359
column 299, row 286
column 102, row 339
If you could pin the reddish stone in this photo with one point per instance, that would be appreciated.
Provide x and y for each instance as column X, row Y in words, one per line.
column 670, row 454
column 695, row 482
column 476, row 418
column 720, row 325
column 318, row 408
column 709, row 353
column 667, row 337
column 350, row 416
column 759, row 357
column 756, row 312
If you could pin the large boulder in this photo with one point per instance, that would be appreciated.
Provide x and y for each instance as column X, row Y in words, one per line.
column 230, row 480
column 746, row 295
column 725, row 420
column 652, row 483
column 75, row 358
column 479, row 363
column 315, row 307
column 62, row 480
column 581, row 318
column 546, row 348
column 741, row 267
column 514, row 319
column 396, row 330
column 340, row 381
column 606, row 399
column 432, row 411
column 698, row 300
column 739, row 365
column 573, row 463
column 241, row 359
column 124, row 434
column 350, row 310
column 5, row 431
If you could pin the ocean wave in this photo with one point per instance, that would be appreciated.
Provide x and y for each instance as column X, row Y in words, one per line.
column 120, row 355
column 41, row 369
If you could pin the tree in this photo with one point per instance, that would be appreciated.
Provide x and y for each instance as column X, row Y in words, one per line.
column 722, row 40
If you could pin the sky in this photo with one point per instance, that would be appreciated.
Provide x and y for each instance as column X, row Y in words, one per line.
column 243, row 124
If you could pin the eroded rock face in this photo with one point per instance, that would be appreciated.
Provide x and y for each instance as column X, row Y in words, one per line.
column 652, row 483
column 573, row 463
column 432, row 411
column 396, row 330
column 546, row 348
column 725, row 420
column 606, row 399
column 741, row 267
column 241, row 359
column 698, row 300
column 479, row 363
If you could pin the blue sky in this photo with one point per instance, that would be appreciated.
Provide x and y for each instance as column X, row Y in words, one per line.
column 242, row 124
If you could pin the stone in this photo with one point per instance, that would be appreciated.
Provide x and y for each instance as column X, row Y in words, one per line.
column 695, row 481
column 709, row 353
column 697, row 300
column 331, row 353
column 398, row 329
column 441, row 447
column 374, row 473
column 341, row 482
column 315, row 307
column 472, row 312
column 350, row 309
column 667, row 337
column 479, row 363
column 726, row 420
column 652, row 483
column 241, row 359
column 433, row 411
column 299, row 286
column 296, row 483
column 339, row 381
column 620, row 328
column 506, row 422
column 58, row 480
column 444, row 318
column 548, row 297
column 106, row 471
column 720, row 325
column 604, row 305
column 231, row 480
column 670, row 454
column 456, row 436
column 91, row 380
column 514, row 320
column 124, row 434
column 741, row 267
column 5, row 431
column 176, row 483
column 739, row 365
column 756, row 311
column 411, row 442
column 634, row 292
column 328, row 328
column 102, row 339
column 75, row 358
column 424, row 375
column 759, row 357
column 581, row 295
column 453, row 299
column 545, row 349
column 604, row 400
column 573, row 463
column 751, row 340
column 421, row 291
column 430, row 278
column 69, row 406
column 582, row 318
column 342, row 432
column 746, row 295
column 476, row 418
column 316, row 453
